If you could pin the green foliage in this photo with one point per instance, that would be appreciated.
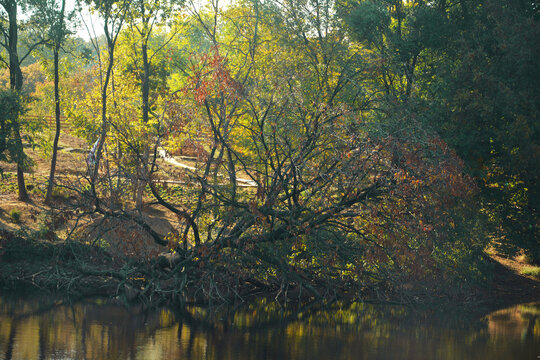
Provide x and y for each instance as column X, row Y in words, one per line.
column 490, row 115
column 12, row 106
column 102, row 244
column 370, row 22
column 15, row 215
column 467, row 72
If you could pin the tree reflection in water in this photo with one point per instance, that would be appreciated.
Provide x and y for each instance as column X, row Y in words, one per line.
column 45, row 328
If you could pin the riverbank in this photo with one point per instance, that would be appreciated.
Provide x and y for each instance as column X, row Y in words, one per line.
column 81, row 270
column 508, row 287
column 71, row 248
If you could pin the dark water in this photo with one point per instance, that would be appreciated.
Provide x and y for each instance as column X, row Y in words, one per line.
column 45, row 328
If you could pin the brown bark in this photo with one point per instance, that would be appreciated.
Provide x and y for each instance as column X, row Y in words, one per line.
column 56, row 50
column 145, row 90
column 16, row 82
column 104, row 124
column 48, row 196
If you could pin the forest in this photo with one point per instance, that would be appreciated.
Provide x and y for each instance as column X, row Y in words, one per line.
column 207, row 151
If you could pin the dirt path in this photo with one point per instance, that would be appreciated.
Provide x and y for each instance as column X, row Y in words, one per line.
column 171, row 160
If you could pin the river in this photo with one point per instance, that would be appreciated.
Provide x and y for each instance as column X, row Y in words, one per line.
column 45, row 327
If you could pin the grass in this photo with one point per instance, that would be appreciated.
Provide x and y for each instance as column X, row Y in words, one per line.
column 531, row 271
column 8, row 184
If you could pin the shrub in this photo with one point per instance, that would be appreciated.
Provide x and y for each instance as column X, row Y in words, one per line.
column 60, row 193
column 15, row 215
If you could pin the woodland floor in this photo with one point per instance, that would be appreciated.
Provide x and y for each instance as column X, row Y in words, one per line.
column 71, row 164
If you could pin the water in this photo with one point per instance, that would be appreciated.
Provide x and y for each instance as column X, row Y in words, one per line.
column 47, row 328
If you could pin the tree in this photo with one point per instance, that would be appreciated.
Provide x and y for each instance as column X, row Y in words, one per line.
column 12, row 106
column 299, row 185
column 53, row 21
column 465, row 71
column 10, row 42
column 144, row 16
column 314, row 168
column 113, row 14
column 490, row 113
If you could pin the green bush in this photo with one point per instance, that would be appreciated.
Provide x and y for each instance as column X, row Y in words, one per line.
column 15, row 215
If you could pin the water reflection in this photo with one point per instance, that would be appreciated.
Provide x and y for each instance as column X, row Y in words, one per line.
column 46, row 328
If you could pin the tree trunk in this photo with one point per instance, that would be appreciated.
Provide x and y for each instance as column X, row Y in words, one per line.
column 145, row 89
column 56, row 51
column 48, row 196
column 104, row 123
column 16, row 81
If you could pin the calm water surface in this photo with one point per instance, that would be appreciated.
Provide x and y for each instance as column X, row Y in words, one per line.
column 46, row 328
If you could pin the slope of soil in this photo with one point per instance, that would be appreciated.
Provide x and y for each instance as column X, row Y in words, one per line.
column 508, row 286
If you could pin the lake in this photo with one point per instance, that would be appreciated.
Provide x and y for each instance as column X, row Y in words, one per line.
column 45, row 327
